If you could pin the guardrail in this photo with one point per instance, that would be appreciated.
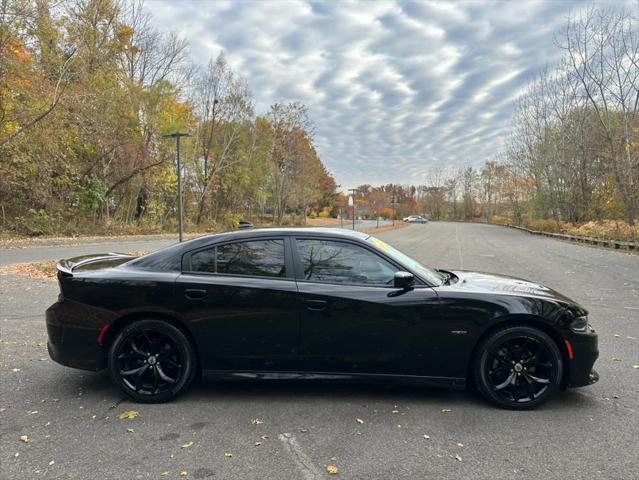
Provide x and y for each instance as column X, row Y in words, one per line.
column 601, row 242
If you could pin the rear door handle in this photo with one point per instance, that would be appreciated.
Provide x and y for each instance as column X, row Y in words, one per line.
column 195, row 293
column 316, row 305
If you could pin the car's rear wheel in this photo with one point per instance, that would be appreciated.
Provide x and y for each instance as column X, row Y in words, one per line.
column 518, row 367
column 152, row 361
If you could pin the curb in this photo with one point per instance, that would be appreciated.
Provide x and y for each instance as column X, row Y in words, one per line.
column 600, row 242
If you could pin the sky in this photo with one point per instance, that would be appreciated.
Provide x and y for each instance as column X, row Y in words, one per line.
column 396, row 89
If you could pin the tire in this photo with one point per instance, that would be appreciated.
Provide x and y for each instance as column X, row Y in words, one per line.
column 517, row 367
column 152, row 361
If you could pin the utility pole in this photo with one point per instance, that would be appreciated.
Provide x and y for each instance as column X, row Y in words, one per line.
column 353, row 190
column 394, row 204
column 177, row 136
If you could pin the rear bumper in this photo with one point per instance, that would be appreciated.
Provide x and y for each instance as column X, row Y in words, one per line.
column 73, row 346
column 580, row 368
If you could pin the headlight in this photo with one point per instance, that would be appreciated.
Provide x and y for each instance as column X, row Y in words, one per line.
column 580, row 325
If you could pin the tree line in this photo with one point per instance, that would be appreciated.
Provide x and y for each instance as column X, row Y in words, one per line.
column 88, row 91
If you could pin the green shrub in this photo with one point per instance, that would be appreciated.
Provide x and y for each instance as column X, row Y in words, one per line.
column 37, row 222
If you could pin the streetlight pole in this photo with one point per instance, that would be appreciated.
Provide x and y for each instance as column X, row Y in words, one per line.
column 353, row 190
column 394, row 203
column 177, row 136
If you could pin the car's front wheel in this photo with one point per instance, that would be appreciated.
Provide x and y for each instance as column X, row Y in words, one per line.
column 518, row 367
column 152, row 361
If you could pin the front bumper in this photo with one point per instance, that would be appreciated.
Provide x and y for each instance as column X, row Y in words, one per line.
column 585, row 353
column 73, row 345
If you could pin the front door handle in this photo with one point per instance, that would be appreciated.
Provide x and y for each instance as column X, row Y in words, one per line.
column 316, row 305
column 195, row 293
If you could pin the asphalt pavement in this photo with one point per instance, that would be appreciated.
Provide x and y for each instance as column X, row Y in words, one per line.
column 58, row 249
column 296, row 430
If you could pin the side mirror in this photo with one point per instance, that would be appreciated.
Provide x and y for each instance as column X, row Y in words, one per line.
column 403, row 280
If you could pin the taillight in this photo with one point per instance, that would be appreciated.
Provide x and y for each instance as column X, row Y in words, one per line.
column 103, row 333
column 60, row 297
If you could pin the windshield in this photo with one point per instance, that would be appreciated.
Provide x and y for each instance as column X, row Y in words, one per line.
column 432, row 276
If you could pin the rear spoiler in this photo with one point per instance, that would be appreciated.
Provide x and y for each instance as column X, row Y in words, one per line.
column 66, row 266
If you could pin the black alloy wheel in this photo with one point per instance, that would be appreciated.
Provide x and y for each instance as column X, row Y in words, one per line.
column 518, row 367
column 152, row 361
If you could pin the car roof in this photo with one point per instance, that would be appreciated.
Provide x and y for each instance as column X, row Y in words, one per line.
column 261, row 232
column 179, row 249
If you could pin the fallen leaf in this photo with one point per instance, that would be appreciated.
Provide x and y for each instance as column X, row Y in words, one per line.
column 264, row 437
column 332, row 470
column 458, row 458
column 24, row 438
column 636, row 367
column 33, row 413
column 130, row 430
column 359, row 420
column 257, row 421
column 616, row 335
column 183, row 473
column 228, row 455
column 257, row 444
column 395, row 411
column 616, row 359
column 187, row 445
column 164, row 473
column 427, row 437
column 15, row 370
column 446, row 410
column 129, row 415
column 460, row 445
column 51, row 462
column 17, row 454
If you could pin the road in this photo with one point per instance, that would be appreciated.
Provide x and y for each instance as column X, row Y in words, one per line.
column 70, row 248
column 71, row 416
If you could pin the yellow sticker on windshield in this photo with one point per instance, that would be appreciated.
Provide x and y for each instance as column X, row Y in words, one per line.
column 384, row 246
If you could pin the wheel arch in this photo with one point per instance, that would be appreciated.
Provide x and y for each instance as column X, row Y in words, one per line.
column 120, row 323
column 527, row 320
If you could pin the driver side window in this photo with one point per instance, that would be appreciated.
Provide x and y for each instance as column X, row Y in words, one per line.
column 341, row 262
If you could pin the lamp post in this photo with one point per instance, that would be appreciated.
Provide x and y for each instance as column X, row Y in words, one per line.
column 394, row 203
column 177, row 136
column 353, row 190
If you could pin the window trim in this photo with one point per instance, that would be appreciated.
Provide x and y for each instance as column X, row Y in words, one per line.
column 288, row 262
column 299, row 269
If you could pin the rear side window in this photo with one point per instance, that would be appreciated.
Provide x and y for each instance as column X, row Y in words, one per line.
column 340, row 262
column 263, row 258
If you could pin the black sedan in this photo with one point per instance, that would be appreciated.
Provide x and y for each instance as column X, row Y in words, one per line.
column 313, row 304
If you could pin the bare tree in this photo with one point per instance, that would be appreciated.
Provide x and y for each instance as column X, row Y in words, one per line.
column 602, row 47
column 224, row 106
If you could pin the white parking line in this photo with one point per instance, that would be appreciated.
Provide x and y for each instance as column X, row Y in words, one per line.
column 303, row 462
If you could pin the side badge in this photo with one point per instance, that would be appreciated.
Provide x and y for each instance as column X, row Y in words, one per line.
column 459, row 332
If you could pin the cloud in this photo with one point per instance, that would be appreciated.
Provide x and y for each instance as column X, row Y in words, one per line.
column 395, row 88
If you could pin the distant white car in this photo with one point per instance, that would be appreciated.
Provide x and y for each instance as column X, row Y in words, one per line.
column 415, row 219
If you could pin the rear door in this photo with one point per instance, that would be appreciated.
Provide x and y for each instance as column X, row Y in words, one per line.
column 352, row 319
column 240, row 299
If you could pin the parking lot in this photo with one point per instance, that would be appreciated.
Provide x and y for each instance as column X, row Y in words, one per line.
column 295, row 430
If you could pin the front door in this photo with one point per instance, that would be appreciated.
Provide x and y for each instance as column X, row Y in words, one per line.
column 353, row 320
column 242, row 305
